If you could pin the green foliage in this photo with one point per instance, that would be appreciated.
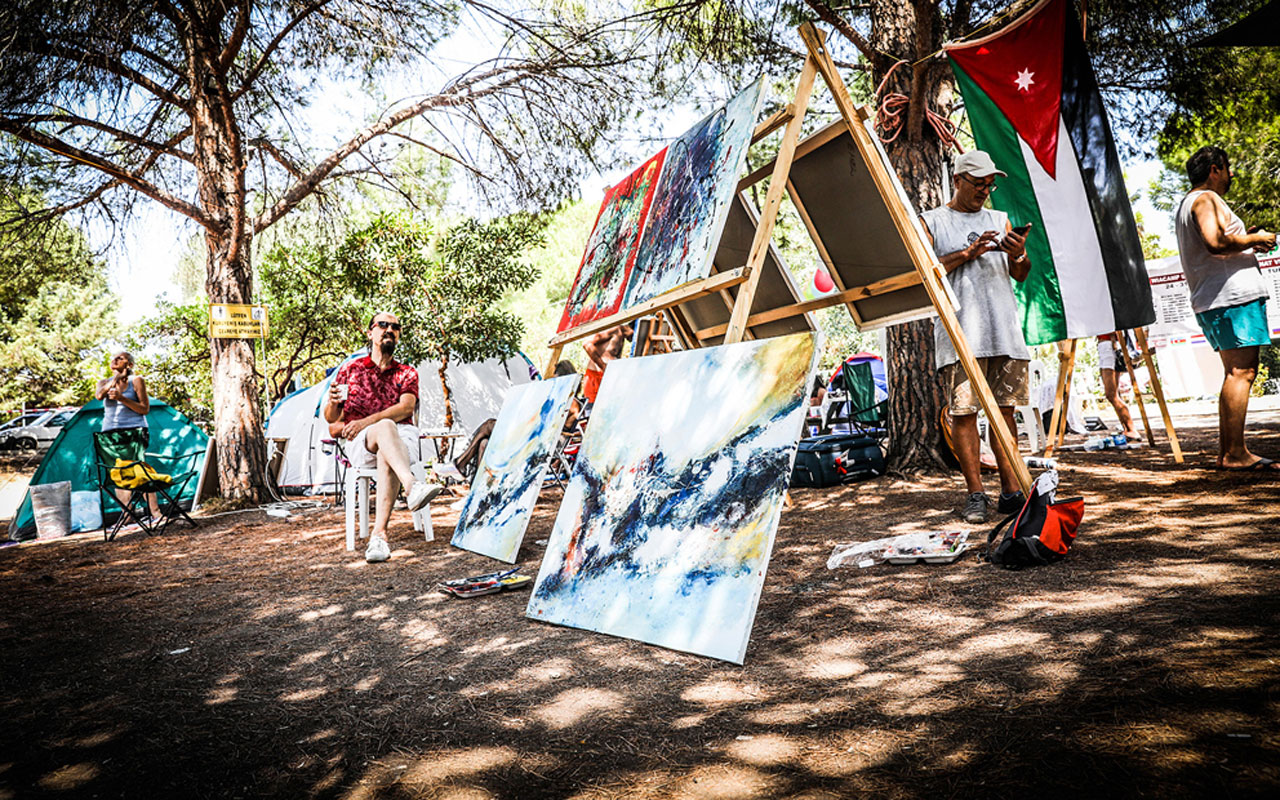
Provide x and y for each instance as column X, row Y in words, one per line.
column 320, row 297
column 33, row 256
column 55, row 309
column 1241, row 115
column 172, row 349
column 446, row 292
column 540, row 305
column 318, row 306
column 1151, row 246
column 53, row 353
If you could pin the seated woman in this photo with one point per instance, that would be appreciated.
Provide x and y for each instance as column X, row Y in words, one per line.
column 469, row 460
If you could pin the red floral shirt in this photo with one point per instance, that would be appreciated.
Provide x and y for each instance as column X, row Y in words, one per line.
column 373, row 390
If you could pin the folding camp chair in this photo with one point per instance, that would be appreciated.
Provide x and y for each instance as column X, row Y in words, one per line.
column 135, row 507
column 860, row 412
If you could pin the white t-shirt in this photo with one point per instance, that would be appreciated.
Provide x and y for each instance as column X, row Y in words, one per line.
column 988, row 310
column 1216, row 281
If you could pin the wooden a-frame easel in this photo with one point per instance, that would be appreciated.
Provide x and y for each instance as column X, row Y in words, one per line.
column 928, row 270
column 1066, row 369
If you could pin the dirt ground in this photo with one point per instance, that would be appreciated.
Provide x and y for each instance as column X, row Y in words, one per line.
column 255, row 657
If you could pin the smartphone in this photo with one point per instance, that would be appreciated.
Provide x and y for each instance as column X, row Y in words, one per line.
column 1021, row 230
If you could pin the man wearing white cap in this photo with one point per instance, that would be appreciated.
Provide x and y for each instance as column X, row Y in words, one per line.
column 981, row 251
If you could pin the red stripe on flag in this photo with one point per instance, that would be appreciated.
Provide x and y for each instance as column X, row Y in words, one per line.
column 1020, row 69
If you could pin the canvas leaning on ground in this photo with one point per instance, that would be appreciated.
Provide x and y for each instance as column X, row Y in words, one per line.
column 510, row 475
column 667, row 523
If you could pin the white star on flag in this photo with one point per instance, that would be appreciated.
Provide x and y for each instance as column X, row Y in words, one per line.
column 1024, row 80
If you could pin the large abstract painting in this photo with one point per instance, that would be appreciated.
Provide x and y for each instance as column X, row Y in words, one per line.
column 611, row 248
column 699, row 180
column 496, row 512
column 667, row 523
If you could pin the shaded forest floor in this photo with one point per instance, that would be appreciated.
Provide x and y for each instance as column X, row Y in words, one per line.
column 256, row 657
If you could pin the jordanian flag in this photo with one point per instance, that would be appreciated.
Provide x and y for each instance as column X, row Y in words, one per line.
column 1034, row 105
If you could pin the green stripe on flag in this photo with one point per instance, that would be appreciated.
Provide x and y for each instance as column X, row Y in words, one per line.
column 1039, row 296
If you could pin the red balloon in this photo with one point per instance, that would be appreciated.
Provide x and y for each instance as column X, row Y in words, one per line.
column 822, row 281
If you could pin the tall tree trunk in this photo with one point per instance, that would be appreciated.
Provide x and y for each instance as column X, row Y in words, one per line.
column 237, row 412
column 912, row 30
column 218, row 155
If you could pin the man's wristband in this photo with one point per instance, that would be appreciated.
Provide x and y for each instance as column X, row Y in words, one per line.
column 1020, row 259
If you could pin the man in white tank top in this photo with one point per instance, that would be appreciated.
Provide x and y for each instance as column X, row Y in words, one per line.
column 981, row 251
column 1228, row 295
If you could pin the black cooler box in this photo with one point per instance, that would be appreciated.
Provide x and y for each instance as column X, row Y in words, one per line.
column 835, row 459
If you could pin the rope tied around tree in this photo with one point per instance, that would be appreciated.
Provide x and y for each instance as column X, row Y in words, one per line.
column 889, row 115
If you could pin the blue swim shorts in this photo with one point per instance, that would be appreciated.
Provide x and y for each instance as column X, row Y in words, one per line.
column 1244, row 325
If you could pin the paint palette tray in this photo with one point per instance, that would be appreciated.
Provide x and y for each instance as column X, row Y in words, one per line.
column 479, row 585
column 934, row 547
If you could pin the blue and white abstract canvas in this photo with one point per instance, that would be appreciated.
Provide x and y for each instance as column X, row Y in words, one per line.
column 699, row 180
column 668, row 520
column 509, row 477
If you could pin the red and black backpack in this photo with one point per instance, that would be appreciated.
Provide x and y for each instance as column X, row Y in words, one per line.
column 1040, row 533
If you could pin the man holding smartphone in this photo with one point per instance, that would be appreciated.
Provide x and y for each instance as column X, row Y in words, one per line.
column 981, row 251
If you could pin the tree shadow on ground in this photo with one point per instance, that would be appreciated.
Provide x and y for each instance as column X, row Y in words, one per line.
column 255, row 657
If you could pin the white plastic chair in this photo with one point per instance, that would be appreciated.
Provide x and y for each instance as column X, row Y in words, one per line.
column 356, row 491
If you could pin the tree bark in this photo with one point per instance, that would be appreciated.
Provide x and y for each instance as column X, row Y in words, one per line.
column 218, row 155
column 444, row 388
column 911, row 30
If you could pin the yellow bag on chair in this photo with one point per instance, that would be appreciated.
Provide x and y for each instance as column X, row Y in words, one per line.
column 132, row 474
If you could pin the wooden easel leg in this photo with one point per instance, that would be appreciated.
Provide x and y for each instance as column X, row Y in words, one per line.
column 772, row 201
column 1057, row 422
column 1070, row 368
column 1137, row 393
column 922, row 256
column 552, row 361
column 1156, row 387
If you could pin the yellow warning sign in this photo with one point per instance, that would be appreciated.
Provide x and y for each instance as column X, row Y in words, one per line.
column 234, row 321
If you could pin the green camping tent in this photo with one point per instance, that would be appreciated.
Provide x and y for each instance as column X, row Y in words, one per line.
column 70, row 457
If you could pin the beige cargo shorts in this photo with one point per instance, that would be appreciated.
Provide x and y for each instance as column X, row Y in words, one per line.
column 1006, row 376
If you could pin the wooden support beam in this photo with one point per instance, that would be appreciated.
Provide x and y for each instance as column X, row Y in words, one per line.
column 1119, row 344
column 922, row 255
column 1058, row 420
column 678, row 324
column 1141, row 336
column 699, row 288
column 821, row 246
column 885, row 286
column 803, row 148
column 773, row 200
column 553, row 360
column 775, row 120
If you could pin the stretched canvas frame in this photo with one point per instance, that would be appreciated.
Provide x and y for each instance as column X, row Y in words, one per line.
column 610, row 254
column 511, row 472
column 669, row 517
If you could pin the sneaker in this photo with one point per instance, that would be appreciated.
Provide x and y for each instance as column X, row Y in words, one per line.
column 421, row 494
column 975, row 508
column 1011, row 502
column 378, row 550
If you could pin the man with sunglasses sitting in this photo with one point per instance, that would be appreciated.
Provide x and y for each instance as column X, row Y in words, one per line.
column 981, row 251
column 370, row 404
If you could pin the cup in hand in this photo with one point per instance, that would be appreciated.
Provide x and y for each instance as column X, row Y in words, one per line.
column 341, row 390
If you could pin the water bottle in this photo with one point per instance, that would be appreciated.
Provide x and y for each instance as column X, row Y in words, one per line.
column 1097, row 443
column 1034, row 462
column 1119, row 440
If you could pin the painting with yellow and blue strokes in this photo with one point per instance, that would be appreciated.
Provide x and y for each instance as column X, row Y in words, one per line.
column 668, row 520
column 509, row 477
